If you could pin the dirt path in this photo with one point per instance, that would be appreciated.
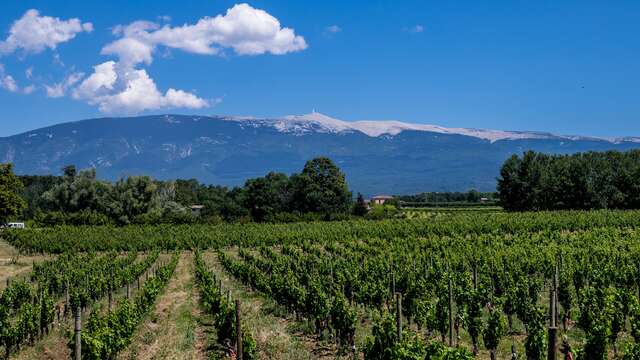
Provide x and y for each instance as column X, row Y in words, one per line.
column 278, row 336
column 13, row 266
column 172, row 330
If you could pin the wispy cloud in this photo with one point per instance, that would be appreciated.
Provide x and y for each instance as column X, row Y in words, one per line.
column 60, row 89
column 28, row 89
column 7, row 81
column 416, row 29
column 333, row 29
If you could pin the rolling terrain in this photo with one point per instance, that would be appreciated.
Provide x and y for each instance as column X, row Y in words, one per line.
column 376, row 156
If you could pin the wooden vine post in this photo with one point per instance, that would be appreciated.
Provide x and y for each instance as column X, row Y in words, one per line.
column 399, row 315
column 78, row 333
column 450, row 313
column 393, row 282
column 555, row 286
column 110, row 292
column 37, row 301
column 331, row 266
column 553, row 326
column 66, row 299
column 240, row 354
column 475, row 277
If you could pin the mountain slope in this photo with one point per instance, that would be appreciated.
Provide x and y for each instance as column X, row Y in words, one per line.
column 378, row 157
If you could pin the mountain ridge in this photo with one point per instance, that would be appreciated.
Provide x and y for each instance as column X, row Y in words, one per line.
column 377, row 157
column 377, row 128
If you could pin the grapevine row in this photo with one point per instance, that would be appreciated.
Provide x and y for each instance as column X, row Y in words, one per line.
column 106, row 335
column 27, row 309
column 223, row 311
column 298, row 289
column 170, row 237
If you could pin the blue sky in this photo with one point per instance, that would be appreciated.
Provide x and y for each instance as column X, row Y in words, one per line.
column 568, row 67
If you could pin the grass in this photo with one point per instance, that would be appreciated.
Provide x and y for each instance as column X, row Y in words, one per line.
column 14, row 266
column 277, row 334
column 172, row 330
column 51, row 347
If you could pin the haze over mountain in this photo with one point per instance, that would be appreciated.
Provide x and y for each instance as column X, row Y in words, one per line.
column 377, row 156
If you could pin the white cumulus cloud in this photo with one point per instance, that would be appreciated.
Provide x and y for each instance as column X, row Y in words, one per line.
column 34, row 33
column 130, row 50
column 246, row 30
column 101, row 81
column 119, row 89
column 123, row 87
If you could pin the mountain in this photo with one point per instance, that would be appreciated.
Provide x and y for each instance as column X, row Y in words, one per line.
column 377, row 156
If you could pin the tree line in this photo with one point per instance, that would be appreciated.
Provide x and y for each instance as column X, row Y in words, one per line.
column 591, row 180
column 318, row 192
column 448, row 199
column 533, row 181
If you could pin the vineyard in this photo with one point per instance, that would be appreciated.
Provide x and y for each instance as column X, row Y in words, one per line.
column 447, row 285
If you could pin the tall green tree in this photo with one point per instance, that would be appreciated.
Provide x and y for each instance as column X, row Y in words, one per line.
column 11, row 204
column 218, row 201
column 509, row 185
column 133, row 197
column 69, row 171
column 267, row 195
column 80, row 192
column 321, row 188
column 360, row 208
column 34, row 187
column 188, row 191
column 592, row 180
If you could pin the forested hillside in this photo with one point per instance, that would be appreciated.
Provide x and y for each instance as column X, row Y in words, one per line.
column 538, row 181
column 227, row 151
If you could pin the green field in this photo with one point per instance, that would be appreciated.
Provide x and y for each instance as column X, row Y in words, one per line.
column 330, row 289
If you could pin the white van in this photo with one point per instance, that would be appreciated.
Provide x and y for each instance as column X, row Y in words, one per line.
column 15, row 225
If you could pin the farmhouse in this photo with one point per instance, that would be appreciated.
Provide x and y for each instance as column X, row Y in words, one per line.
column 380, row 199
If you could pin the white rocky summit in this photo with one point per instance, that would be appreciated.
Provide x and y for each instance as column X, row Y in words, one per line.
column 317, row 122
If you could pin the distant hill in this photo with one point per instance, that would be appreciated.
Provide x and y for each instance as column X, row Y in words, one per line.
column 377, row 156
